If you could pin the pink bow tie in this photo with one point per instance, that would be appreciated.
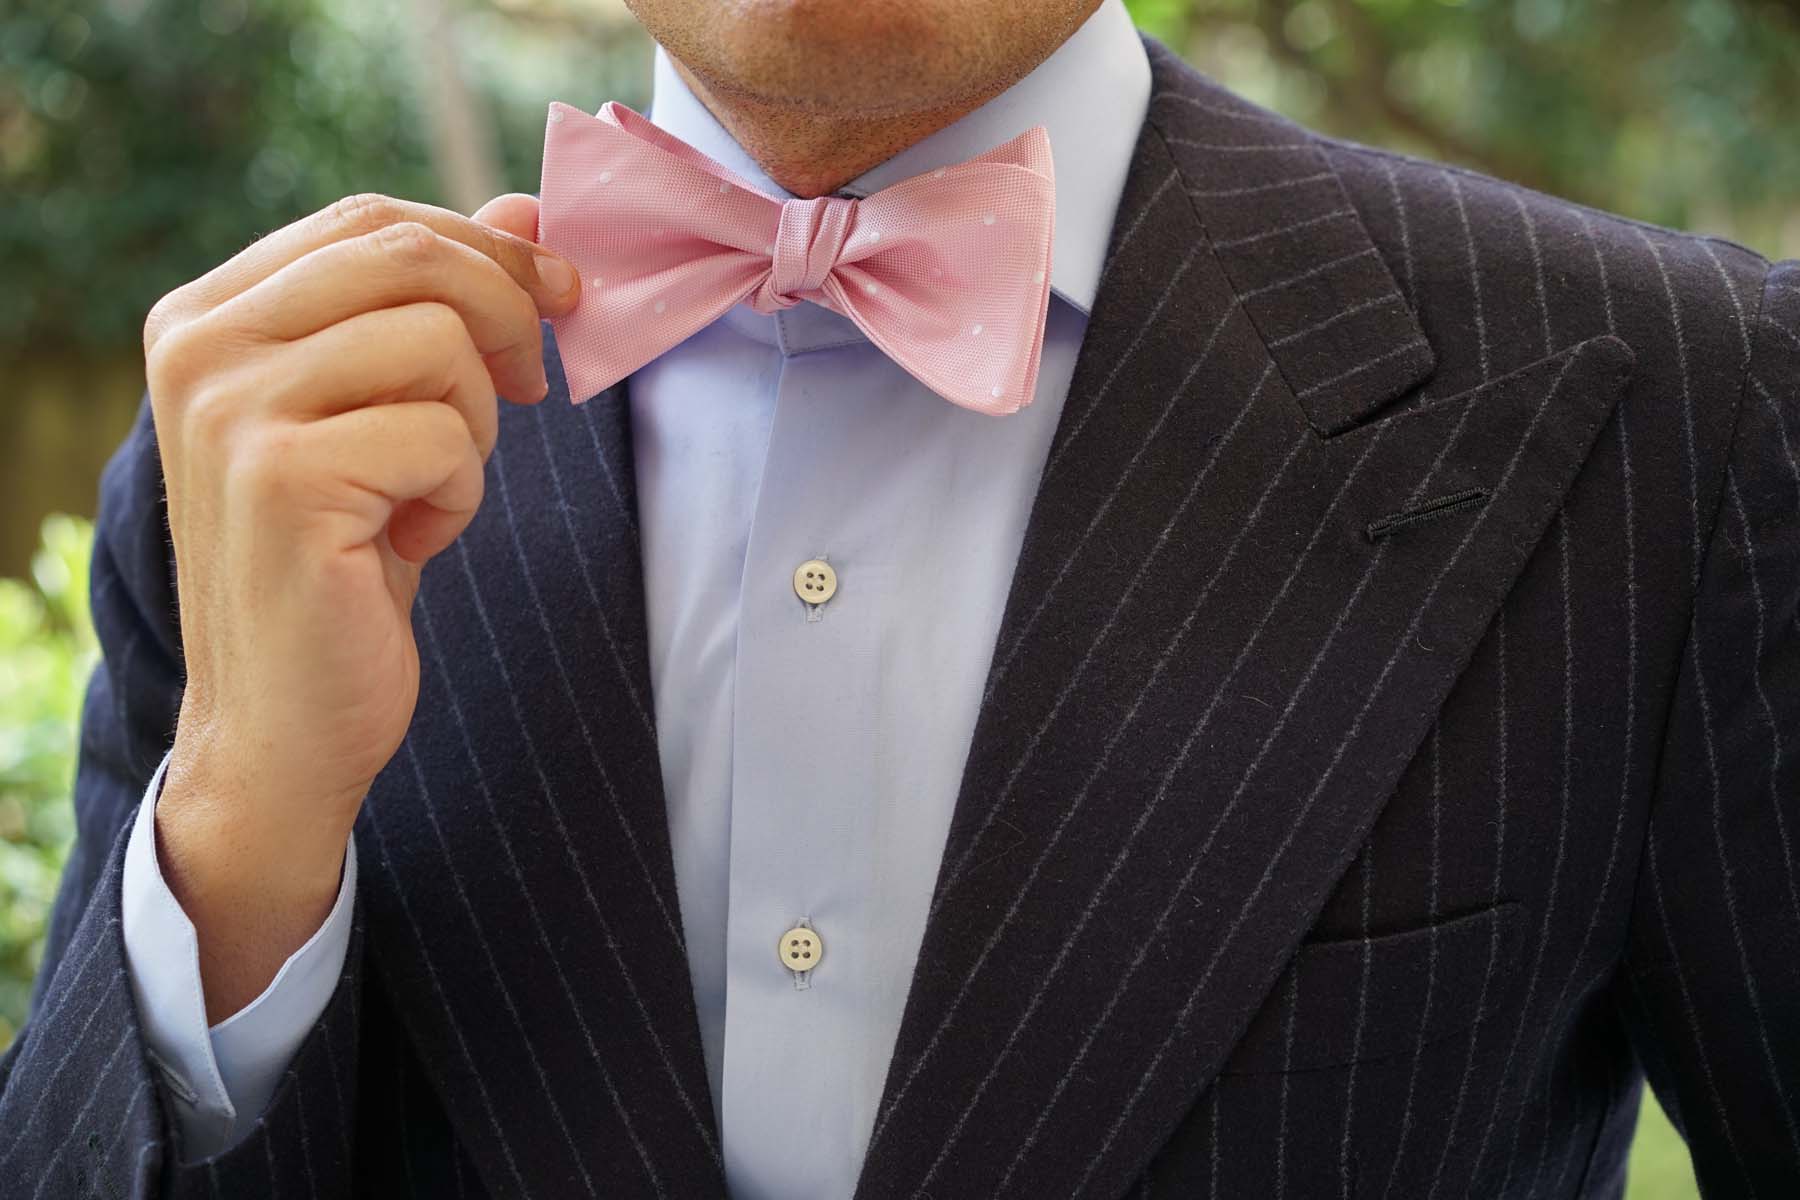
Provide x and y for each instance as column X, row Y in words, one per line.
column 946, row 272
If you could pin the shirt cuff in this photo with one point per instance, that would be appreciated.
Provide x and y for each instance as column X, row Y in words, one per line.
column 222, row 1077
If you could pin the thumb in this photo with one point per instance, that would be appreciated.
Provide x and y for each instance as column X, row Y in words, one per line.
column 515, row 213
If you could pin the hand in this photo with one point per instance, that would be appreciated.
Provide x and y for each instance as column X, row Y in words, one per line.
column 324, row 404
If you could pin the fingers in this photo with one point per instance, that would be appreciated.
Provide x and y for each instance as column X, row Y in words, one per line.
column 514, row 213
column 549, row 280
column 418, row 351
column 396, row 265
column 409, row 467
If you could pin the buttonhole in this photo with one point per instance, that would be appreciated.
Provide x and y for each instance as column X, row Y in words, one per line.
column 1430, row 510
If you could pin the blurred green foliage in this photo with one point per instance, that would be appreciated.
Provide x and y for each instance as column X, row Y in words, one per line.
column 47, row 650
column 143, row 142
column 1680, row 112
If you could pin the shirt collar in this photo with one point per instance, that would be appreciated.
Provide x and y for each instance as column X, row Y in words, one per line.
column 1091, row 95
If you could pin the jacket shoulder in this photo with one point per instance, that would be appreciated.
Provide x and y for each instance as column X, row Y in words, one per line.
column 1527, row 274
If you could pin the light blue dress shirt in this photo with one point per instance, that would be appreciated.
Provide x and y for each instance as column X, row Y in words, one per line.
column 811, row 754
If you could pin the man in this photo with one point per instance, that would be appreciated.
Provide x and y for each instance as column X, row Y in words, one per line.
column 1333, row 737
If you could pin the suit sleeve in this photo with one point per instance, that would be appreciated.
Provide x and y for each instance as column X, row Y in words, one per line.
column 84, row 1108
column 1711, row 984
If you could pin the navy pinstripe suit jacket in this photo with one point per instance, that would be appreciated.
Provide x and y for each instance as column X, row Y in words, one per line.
column 1388, row 760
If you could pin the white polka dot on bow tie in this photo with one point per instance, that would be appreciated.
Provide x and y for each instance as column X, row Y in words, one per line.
column 988, row 220
column 606, row 177
column 939, row 173
column 995, row 393
column 769, row 249
column 975, row 330
column 596, row 281
column 724, row 189
column 556, row 116
column 1038, row 278
column 871, row 288
column 874, row 235
column 661, row 306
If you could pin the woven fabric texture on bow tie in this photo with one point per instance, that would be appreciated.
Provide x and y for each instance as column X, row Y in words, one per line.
column 946, row 272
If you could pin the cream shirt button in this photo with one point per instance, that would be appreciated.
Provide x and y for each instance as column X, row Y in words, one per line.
column 800, row 948
column 814, row 581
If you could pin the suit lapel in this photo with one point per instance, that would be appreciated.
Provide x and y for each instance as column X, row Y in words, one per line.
column 515, row 854
column 1246, row 587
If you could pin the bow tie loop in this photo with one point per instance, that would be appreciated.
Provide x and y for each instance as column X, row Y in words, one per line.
column 808, row 243
column 946, row 272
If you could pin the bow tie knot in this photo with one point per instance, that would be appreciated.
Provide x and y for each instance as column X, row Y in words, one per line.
column 946, row 273
column 808, row 243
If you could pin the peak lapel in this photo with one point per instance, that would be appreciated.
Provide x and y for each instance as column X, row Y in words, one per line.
column 515, row 854
column 1227, row 634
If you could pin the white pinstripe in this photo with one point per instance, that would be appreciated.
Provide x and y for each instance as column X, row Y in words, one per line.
column 598, row 611
column 1481, row 333
column 69, row 1052
column 1003, row 664
column 337, row 1090
column 437, row 986
column 1137, row 220
column 1336, row 318
column 131, row 1111
column 75, row 1126
column 612, row 482
column 1042, row 991
column 1120, row 363
column 1612, row 853
column 500, row 978
column 564, row 837
column 1406, row 248
column 1254, row 148
column 312, row 1183
column 1687, row 1001
column 1537, row 269
column 1168, row 777
column 1362, row 1017
column 1776, row 750
column 45, row 1018
column 1375, row 692
column 1500, row 824
column 1785, row 332
column 1412, row 1075
column 1323, row 268
column 1787, row 444
column 1263, row 188
column 671, row 926
column 1687, row 407
column 1562, row 842
column 1775, row 755
column 1239, row 243
column 406, row 1167
column 1074, row 806
column 1213, row 1188
column 537, row 919
column 1219, row 110
column 1365, row 365
column 1751, row 991
column 1287, row 1066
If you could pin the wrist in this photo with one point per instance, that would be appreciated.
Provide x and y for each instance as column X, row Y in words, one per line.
column 255, row 878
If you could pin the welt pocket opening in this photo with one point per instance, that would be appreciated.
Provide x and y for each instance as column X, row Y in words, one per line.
column 1359, row 1000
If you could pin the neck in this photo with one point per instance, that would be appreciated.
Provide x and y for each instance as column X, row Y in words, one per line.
column 812, row 153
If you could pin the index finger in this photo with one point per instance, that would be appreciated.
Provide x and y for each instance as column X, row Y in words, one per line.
column 548, row 278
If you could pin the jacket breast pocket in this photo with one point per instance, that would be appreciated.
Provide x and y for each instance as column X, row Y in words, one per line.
column 1364, row 999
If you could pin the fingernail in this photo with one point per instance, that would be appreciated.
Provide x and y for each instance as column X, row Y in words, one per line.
column 555, row 273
